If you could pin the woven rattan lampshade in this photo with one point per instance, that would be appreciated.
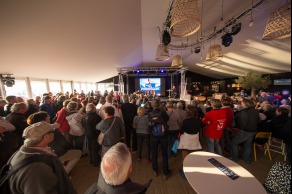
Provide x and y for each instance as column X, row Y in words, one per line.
column 162, row 53
column 177, row 61
column 185, row 19
column 214, row 53
column 279, row 24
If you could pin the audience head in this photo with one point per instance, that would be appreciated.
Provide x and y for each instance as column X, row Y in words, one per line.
column 19, row 99
column 155, row 103
column 125, row 98
column 39, row 134
column 48, row 99
column 11, row 99
column 169, row 106
column 179, row 105
column 226, row 101
column 247, row 103
column 38, row 117
column 141, row 111
column 72, row 106
column 192, row 111
column 30, row 101
column 19, row 107
column 102, row 100
column 65, row 103
column 2, row 103
column 90, row 107
column 216, row 103
column 116, row 164
column 109, row 111
column 282, row 111
column 109, row 98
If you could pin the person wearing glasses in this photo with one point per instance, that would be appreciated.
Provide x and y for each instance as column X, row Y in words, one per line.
column 46, row 176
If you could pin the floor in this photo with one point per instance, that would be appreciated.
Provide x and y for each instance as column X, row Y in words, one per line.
column 84, row 174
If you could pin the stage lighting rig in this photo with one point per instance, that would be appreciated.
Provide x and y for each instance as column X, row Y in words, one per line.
column 227, row 39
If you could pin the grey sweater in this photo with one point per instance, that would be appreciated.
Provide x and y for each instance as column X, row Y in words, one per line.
column 115, row 134
column 140, row 123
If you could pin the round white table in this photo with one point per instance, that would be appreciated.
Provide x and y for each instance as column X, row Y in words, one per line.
column 205, row 178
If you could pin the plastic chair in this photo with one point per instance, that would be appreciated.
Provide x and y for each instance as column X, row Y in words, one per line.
column 265, row 137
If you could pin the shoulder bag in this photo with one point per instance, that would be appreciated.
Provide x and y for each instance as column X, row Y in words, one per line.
column 101, row 135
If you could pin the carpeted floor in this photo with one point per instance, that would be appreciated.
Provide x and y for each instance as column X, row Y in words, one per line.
column 84, row 174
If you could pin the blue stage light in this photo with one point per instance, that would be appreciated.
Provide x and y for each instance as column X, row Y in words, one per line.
column 162, row 71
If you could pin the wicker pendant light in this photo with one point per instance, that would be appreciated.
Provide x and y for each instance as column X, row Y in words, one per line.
column 279, row 24
column 177, row 61
column 162, row 53
column 185, row 19
column 214, row 53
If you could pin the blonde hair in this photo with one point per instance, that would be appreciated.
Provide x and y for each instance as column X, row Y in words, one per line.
column 141, row 111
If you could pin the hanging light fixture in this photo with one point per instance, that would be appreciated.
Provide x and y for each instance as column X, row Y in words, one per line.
column 162, row 53
column 177, row 61
column 185, row 19
column 279, row 24
column 214, row 53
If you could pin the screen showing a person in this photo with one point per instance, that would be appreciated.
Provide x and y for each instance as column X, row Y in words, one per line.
column 153, row 85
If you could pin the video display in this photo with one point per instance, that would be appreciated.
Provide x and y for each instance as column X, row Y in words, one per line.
column 150, row 84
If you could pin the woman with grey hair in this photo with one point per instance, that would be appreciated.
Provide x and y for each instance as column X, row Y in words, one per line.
column 17, row 118
column 115, row 168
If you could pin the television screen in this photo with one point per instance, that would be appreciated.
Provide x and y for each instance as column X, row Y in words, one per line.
column 150, row 84
column 279, row 82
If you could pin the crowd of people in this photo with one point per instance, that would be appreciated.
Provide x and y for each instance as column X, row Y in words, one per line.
column 66, row 126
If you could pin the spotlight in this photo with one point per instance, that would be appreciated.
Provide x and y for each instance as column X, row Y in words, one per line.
column 166, row 39
column 235, row 29
column 8, row 80
column 162, row 71
column 138, row 71
column 227, row 39
column 197, row 49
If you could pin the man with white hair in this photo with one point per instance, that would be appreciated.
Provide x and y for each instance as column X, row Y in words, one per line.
column 45, row 172
column 115, row 169
column 101, row 112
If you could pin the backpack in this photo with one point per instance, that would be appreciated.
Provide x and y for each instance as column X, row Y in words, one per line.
column 156, row 124
column 7, row 170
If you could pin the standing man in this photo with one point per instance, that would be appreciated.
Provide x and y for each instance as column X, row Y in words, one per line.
column 129, row 111
column 158, row 119
column 246, row 120
column 48, row 176
column 17, row 118
column 10, row 101
column 49, row 107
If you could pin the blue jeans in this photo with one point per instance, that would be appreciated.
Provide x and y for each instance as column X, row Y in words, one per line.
column 213, row 144
column 163, row 141
column 242, row 137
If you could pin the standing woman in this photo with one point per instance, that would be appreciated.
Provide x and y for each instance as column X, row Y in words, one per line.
column 140, row 123
column 189, row 139
column 62, row 121
column 113, row 128
column 77, row 132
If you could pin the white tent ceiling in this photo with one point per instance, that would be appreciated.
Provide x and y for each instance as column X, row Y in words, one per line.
column 88, row 40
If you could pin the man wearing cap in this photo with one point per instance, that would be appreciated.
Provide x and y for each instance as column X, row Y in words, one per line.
column 48, row 107
column 47, row 176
